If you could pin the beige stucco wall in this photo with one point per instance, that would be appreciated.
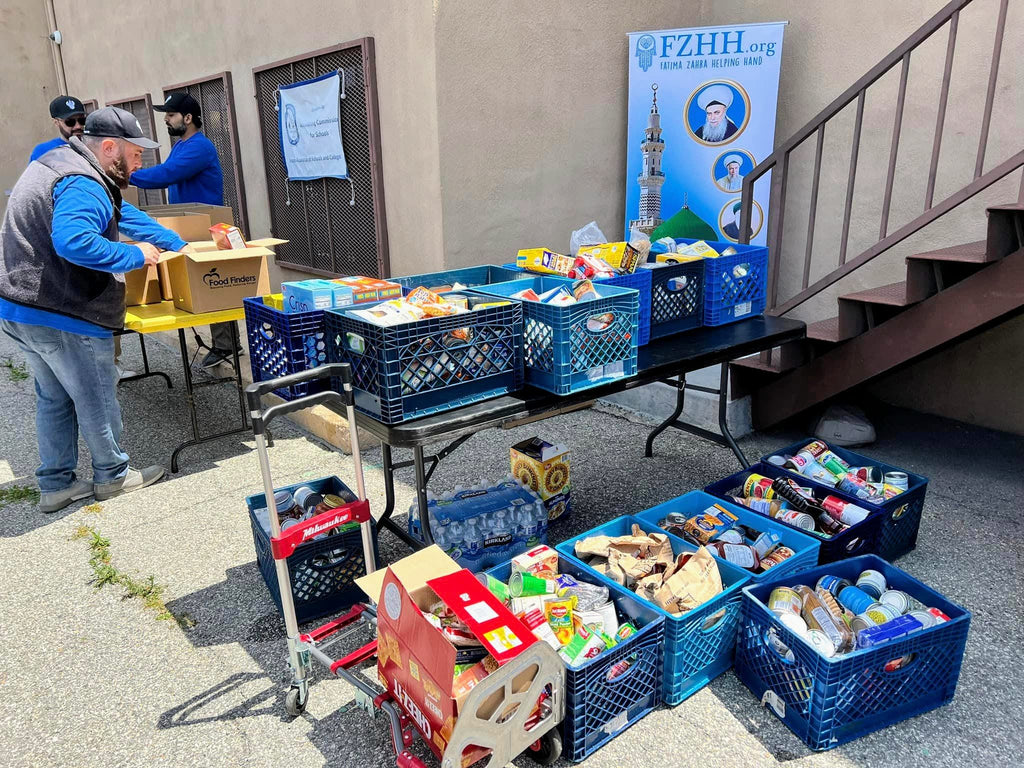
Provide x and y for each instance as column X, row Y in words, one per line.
column 27, row 85
column 141, row 48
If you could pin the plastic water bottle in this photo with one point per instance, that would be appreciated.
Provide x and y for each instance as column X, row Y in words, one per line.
column 530, row 525
column 541, row 516
column 472, row 545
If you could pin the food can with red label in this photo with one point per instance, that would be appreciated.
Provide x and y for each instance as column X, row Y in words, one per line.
column 939, row 616
column 815, row 448
column 776, row 556
column 758, row 487
column 843, row 511
column 800, row 520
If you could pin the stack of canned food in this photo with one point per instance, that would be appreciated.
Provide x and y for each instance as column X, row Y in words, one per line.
column 294, row 507
column 818, row 462
column 838, row 617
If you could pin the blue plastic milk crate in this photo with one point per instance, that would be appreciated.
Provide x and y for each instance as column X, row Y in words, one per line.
column 677, row 297
column 597, row 709
column 735, row 286
column 830, row 701
column 637, row 281
column 484, row 274
column 699, row 644
column 900, row 516
column 409, row 370
column 281, row 344
column 584, row 345
column 322, row 572
column 859, row 539
column 805, row 548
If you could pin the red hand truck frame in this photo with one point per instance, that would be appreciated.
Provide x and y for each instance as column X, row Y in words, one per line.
column 508, row 729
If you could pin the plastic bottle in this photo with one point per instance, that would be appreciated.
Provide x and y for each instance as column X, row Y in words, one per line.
column 473, row 541
column 829, row 633
column 541, row 513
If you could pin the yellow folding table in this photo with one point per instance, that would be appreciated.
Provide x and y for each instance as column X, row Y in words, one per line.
column 153, row 318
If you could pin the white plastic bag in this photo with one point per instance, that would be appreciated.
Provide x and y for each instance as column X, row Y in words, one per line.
column 591, row 234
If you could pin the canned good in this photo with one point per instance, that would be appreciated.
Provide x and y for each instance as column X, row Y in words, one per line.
column 775, row 642
column 861, row 622
column 794, row 622
column 843, row 511
column 833, row 584
column 776, row 460
column 895, row 599
column 833, row 463
column 822, row 643
column 815, row 448
column 775, row 557
column 881, row 613
column 896, row 479
column 872, row 582
column 894, row 664
column 800, row 520
column 855, row 486
column 856, row 599
column 867, row 474
column 926, row 619
column 758, row 487
column 784, row 600
column 939, row 616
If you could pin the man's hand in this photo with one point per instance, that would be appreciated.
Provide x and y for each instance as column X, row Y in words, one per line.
column 150, row 252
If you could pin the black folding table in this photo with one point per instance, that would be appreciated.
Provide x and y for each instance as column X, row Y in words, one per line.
column 665, row 360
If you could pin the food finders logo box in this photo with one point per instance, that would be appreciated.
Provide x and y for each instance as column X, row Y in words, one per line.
column 214, row 280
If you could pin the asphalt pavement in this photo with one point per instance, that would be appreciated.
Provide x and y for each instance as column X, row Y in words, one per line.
column 89, row 677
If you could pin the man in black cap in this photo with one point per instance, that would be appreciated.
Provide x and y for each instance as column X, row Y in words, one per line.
column 68, row 115
column 191, row 174
column 62, row 297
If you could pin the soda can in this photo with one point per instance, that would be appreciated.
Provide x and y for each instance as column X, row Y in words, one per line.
column 881, row 614
column 855, row 486
column 833, row 584
column 822, row 643
column 833, row 463
column 794, row 622
column 784, row 600
column 855, row 599
column 939, row 616
column 896, row 479
column 872, row 582
column 926, row 619
column 895, row 599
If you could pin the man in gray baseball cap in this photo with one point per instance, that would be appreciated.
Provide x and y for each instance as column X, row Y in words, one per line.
column 62, row 297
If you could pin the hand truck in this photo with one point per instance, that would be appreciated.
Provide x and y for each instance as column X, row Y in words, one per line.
column 497, row 715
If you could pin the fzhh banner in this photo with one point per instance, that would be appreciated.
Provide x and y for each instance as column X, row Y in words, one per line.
column 702, row 108
column 309, row 122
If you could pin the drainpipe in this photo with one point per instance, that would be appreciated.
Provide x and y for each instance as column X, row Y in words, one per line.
column 55, row 41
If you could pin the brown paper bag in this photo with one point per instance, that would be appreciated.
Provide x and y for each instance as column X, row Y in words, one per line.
column 693, row 582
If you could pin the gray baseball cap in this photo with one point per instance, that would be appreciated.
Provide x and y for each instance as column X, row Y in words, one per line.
column 116, row 123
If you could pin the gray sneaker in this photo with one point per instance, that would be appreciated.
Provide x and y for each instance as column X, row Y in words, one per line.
column 133, row 481
column 51, row 501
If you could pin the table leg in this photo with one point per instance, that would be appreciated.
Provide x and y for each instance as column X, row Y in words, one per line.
column 190, row 399
column 671, row 420
column 421, row 495
column 146, row 373
column 385, row 521
column 723, row 414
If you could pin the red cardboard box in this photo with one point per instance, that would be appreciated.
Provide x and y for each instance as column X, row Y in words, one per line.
column 415, row 661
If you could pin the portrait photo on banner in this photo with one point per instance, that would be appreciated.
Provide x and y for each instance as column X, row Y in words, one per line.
column 730, row 167
column 717, row 112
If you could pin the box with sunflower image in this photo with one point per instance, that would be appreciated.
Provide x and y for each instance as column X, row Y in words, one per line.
column 544, row 468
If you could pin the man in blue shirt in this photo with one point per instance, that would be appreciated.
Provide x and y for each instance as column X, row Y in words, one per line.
column 62, row 297
column 191, row 174
column 68, row 115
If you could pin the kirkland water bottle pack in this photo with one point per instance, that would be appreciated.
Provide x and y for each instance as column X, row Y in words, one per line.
column 485, row 525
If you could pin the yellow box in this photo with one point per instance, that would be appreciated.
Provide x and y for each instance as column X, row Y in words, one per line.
column 275, row 300
column 544, row 468
column 543, row 261
column 621, row 256
column 699, row 248
column 674, row 258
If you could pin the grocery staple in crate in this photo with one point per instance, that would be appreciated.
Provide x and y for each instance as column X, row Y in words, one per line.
column 848, row 648
column 759, row 545
column 486, row 524
column 459, row 279
column 698, row 595
column 844, row 528
column 677, row 297
column 853, row 478
column 322, row 571
column 610, row 641
column 735, row 280
column 411, row 367
column 282, row 343
column 569, row 347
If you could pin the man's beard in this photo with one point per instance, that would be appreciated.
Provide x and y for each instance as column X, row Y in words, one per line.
column 118, row 172
column 67, row 133
column 173, row 131
column 713, row 132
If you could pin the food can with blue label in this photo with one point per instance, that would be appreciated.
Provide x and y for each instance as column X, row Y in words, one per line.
column 855, row 599
column 872, row 582
column 833, row 584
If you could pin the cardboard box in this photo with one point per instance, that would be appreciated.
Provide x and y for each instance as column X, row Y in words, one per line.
column 219, row 214
column 142, row 286
column 307, row 295
column 621, row 256
column 414, row 659
column 227, row 237
column 190, row 226
column 543, row 261
column 544, row 468
column 207, row 280
column 366, row 289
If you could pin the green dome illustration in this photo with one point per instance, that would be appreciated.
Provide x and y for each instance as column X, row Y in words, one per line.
column 685, row 224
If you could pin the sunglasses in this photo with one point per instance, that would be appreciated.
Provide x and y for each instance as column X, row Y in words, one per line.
column 71, row 122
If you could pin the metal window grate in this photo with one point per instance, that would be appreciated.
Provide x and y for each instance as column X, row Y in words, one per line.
column 216, row 100
column 90, row 105
column 142, row 108
column 326, row 234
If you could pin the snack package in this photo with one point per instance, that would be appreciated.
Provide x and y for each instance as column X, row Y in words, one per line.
column 621, row 256
column 467, row 680
column 584, row 645
column 544, row 261
column 540, row 561
column 558, row 613
column 674, row 258
column 694, row 580
column 699, row 248
column 227, row 237
column 526, row 295
column 710, row 523
column 583, row 290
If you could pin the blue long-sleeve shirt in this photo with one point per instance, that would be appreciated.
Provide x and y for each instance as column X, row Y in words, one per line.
column 191, row 173
column 46, row 146
column 81, row 214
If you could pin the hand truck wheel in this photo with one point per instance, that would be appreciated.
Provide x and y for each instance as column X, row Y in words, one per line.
column 547, row 749
column 295, row 702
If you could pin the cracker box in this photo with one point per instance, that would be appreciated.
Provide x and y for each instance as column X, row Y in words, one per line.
column 621, row 256
column 543, row 261
column 415, row 661
column 544, row 468
column 307, row 295
column 227, row 237
column 362, row 290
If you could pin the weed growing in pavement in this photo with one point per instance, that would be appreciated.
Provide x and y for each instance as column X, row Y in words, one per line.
column 93, row 509
column 105, row 573
column 12, row 494
column 17, row 371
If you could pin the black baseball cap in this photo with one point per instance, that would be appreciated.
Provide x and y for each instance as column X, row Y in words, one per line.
column 64, row 107
column 181, row 103
column 116, row 123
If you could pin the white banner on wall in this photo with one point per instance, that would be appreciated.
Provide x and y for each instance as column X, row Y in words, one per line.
column 701, row 115
column 309, row 123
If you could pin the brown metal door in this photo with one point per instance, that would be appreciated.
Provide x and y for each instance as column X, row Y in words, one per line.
column 142, row 108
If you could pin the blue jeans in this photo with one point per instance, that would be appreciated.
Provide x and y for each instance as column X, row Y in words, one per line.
column 76, row 388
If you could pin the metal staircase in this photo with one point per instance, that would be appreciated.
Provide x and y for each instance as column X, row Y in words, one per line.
column 947, row 294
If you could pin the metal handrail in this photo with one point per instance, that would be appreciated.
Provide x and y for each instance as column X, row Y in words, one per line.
column 778, row 162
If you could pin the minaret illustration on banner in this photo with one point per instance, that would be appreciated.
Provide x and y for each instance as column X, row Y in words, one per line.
column 651, row 176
